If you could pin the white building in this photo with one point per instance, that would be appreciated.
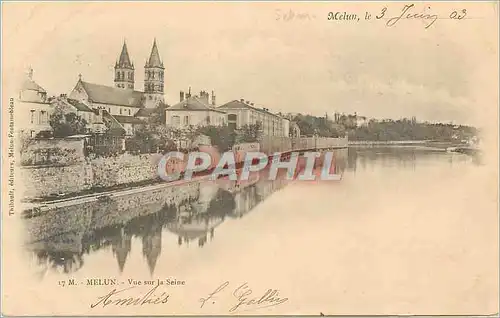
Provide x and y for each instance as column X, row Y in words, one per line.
column 241, row 113
column 194, row 111
column 33, row 108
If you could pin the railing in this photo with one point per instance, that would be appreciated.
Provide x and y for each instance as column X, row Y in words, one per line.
column 388, row 142
column 270, row 144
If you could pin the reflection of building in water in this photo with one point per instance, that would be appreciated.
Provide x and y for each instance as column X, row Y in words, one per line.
column 63, row 253
column 121, row 245
column 149, row 228
column 151, row 246
column 191, row 212
column 194, row 227
column 208, row 190
column 249, row 194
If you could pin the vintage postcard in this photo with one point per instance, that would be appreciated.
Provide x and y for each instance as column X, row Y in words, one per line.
column 249, row 158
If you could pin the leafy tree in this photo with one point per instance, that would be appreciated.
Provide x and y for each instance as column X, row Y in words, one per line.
column 250, row 133
column 222, row 137
column 66, row 124
column 25, row 141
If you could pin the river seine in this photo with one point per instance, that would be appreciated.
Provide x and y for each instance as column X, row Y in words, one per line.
column 405, row 227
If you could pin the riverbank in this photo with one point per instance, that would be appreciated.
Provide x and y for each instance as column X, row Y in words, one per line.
column 34, row 207
column 417, row 144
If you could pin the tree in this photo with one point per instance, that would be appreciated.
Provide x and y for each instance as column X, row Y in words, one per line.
column 25, row 141
column 222, row 137
column 250, row 133
column 66, row 124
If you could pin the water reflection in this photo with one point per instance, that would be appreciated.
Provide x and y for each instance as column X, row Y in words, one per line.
column 61, row 239
column 191, row 213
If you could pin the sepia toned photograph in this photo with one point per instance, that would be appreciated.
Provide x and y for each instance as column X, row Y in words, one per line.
column 249, row 158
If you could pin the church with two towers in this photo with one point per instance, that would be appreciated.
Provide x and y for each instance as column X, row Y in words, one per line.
column 153, row 75
column 122, row 103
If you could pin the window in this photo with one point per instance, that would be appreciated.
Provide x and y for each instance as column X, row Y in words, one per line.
column 231, row 117
column 43, row 117
column 208, row 120
column 153, row 75
column 129, row 112
column 120, row 111
column 176, row 121
column 32, row 117
column 109, row 110
column 186, row 120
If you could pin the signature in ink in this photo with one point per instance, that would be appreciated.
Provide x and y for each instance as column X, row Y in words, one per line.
column 149, row 298
column 212, row 294
column 246, row 302
column 268, row 299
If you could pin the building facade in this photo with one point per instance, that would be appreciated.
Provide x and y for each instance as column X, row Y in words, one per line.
column 241, row 113
column 33, row 108
column 194, row 111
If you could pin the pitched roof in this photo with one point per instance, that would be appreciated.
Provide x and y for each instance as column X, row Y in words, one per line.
column 79, row 105
column 113, row 124
column 239, row 104
column 30, row 85
column 103, row 94
column 154, row 58
column 193, row 103
column 145, row 112
column 128, row 119
column 124, row 58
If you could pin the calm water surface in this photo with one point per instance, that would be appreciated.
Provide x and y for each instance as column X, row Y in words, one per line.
column 401, row 221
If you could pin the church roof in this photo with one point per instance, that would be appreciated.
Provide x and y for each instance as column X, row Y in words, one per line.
column 79, row 105
column 154, row 58
column 128, row 120
column 145, row 112
column 124, row 60
column 112, row 123
column 103, row 94
column 193, row 103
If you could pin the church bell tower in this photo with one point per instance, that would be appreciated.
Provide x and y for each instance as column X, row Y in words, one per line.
column 124, row 70
column 153, row 79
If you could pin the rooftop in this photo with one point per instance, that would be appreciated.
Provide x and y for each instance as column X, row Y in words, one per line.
column 103, row 94
column 194, row 103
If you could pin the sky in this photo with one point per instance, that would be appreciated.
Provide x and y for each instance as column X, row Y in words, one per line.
column 257, row 51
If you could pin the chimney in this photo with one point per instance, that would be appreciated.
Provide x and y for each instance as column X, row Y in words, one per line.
column 251, row 104
column 213, row 98
column 247, row 102
column 242, row 100
column 204, row 97
column 181, row 96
